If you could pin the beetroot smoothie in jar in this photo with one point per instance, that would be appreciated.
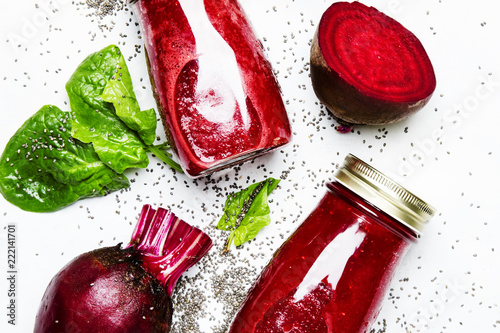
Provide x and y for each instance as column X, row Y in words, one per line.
column 216, row 92
column 332, row 273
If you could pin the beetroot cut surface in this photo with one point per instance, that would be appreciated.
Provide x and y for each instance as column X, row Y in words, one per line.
column 367, row 68
column 129, row 289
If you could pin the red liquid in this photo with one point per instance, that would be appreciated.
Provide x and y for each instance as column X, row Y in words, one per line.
column 331, row 274
column 218, row 98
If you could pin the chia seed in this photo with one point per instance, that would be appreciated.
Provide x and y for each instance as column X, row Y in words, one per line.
column 104, row 8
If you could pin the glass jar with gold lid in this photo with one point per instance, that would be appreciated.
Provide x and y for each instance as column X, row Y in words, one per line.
column 334, row 270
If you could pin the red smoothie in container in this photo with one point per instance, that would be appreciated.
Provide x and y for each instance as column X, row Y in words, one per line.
column 216, row 93
column 331, row 275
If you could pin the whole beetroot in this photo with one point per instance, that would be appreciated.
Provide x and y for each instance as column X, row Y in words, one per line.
column 129, row 289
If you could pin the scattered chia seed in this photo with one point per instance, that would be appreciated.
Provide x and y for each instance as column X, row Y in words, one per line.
column 208, row 295
column 214, row 286
column 103, row 8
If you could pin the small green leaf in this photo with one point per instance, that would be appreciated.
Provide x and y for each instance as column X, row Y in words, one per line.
column 247, row 212
column 43, row 169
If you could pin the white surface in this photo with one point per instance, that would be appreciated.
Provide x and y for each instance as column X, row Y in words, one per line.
column 448, row 153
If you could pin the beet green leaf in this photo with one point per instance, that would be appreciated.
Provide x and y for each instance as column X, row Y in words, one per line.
column 96, row 120
column 43, row 169
column 247, row 212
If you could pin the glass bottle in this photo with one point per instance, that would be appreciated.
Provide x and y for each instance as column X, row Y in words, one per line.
column 332, row 273
column 216, row 92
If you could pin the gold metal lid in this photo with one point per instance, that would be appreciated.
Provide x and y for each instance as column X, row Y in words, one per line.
column 384, row 193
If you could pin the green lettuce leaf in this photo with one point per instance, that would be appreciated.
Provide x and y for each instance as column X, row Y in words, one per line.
column 96, row 121
column 43, row 169
column 247, row 212
column 120, row 92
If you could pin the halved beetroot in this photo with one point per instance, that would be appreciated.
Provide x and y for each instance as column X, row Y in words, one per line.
column 366, row 68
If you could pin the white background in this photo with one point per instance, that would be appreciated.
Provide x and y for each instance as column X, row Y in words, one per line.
column 448, row 153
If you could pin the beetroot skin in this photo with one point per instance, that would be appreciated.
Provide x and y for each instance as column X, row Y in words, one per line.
column 111, row 280
column 113, row 289
column 366, row 68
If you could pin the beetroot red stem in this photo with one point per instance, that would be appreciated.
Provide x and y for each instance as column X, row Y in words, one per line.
column 167, row 245
column 168, row 268
column 145, row 218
